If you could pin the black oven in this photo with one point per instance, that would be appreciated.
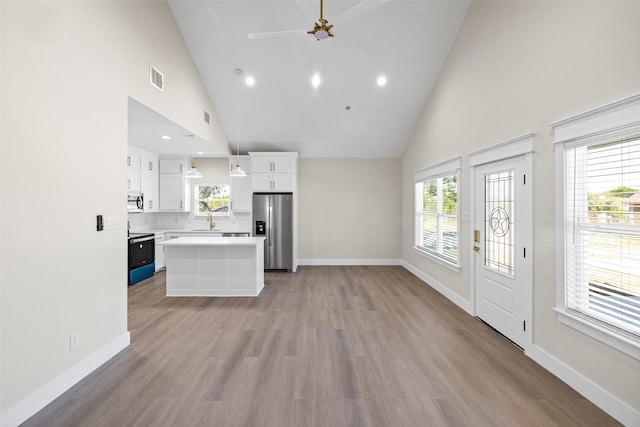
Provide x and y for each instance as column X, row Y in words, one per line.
column 142, row 253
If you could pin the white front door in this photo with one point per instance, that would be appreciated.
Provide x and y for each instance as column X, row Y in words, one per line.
column 502, row 245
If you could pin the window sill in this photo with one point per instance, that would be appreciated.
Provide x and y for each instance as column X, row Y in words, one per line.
column 627, row 345
column 451, row 266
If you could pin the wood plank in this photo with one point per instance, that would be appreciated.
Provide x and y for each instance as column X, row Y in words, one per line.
column 326, row 346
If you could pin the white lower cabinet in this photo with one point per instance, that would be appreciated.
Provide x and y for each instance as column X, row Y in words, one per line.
column 159, row 249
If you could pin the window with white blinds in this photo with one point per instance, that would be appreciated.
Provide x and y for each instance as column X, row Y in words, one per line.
column 602, row 238
column 436, row 203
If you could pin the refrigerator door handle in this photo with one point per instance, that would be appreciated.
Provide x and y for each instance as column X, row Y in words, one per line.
column 269, row 225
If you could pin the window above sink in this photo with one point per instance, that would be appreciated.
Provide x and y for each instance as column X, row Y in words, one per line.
column 211, row 199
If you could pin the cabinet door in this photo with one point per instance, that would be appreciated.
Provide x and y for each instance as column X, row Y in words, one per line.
column 133, row 179
column 284, row 164
column 241, row 194
column 133, row 158
column 149, row 181
column 159, row 252
column 149, row 162
column 282, row 182
column 172, row 192
column 261, row 164
column 149, row 188
column 172, row 166
column 261, row 181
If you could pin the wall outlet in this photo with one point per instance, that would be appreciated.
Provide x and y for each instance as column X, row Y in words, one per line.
column 74, row 340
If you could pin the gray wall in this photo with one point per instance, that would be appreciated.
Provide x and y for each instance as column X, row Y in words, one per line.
column 514, row 68
column 349, row 209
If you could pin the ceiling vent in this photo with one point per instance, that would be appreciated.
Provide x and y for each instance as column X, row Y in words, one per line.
column 156, row 77
column 206, row 117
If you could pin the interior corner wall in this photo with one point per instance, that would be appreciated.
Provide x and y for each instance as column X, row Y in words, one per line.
column 68, row 69
column 514, row 68
column 348, row 210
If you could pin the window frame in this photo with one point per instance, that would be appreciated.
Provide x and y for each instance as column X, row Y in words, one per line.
column 196, row 198
column 610, row 123
column 441, row 170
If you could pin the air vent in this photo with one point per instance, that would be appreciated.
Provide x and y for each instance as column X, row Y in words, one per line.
column 157, row 79
column 206, row 117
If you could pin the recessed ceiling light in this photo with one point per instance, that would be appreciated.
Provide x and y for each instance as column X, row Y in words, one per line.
column 165, row 137
column 250, row 81
column 315, row 80
column 200, row 152
column 382, row 80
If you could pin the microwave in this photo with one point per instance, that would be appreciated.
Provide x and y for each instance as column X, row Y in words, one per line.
column 135, row 201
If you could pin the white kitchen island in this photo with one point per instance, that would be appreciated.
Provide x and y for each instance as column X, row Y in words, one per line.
column 214, row 266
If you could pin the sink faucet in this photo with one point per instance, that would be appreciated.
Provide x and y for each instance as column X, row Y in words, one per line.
column 212, row 223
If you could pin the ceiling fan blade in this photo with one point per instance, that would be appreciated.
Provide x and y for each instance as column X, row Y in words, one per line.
column 362, row 8
column 309, row 13
column 255, row 36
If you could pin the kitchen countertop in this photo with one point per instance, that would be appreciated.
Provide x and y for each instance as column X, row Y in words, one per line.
column 213, row 241
column 194, row 230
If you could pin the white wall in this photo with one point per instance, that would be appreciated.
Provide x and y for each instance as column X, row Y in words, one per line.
column 349, row 209
column 67, row 70
column 514, row 68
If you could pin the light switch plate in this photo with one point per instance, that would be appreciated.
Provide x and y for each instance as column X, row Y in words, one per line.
column 111, row 222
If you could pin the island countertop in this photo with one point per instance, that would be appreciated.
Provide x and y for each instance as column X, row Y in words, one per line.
column 213, row 241
column 214, row 266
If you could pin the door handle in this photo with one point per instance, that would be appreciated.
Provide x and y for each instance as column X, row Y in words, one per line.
column 476, row 248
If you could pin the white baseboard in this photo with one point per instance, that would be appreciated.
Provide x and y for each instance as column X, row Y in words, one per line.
column 339, row 261
column 44, row 395
column 450, row 295
column 597, row 395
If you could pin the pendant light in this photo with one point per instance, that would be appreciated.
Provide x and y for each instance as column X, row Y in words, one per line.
column 237, row 171
column 193, row 172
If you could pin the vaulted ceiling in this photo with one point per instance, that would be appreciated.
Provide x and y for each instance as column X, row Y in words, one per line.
column 348, row 114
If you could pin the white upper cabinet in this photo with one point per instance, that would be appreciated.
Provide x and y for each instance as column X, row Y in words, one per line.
column 133, row 168
column 274, row 172
column 173, row 165
column 173, row 192
column 266, row 162
column 149, row 181
column 143, row 176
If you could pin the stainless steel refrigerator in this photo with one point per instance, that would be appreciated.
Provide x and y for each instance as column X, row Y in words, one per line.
column 273, row 218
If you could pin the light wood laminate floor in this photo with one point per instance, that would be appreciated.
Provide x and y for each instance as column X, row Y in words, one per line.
column 326, row 346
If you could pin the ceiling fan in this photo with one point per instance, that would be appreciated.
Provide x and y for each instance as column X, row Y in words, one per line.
column 322, row 29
